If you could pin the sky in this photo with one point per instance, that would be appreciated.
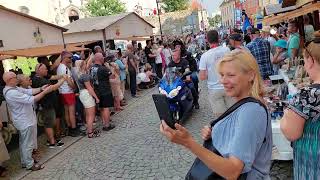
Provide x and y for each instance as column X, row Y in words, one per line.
column 210, row 5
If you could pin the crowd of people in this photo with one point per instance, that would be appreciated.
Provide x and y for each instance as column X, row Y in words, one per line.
column 238, row 143
column 69, row 91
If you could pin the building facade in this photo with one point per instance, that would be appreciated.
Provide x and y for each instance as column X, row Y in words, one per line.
column 227, row 9
column 59, row 12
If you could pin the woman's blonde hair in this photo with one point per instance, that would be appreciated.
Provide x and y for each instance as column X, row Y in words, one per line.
column 313, row 49
column 80, row 67
column 246, row 63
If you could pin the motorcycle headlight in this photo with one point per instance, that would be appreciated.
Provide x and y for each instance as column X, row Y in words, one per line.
column 174, row 92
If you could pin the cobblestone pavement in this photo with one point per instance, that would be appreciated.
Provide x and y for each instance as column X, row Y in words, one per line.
column 135, row 149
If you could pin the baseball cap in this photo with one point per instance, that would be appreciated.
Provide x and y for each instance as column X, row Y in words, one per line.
column 236, row 37
column 255, row 31
column 281, row 43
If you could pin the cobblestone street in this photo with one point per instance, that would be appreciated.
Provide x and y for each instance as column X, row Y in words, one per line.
column 135, row 149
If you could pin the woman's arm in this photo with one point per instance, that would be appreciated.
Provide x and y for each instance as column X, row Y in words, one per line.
column 91, row 91
column 276, row 59
column 229, row 168
column 121, row 65
column 57, row 85
column 292, row 125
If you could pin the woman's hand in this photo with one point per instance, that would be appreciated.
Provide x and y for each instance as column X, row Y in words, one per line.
column 206, row 133
column 97, row 100
column 179, row 136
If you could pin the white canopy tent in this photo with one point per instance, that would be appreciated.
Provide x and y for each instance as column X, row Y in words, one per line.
column 122, row 26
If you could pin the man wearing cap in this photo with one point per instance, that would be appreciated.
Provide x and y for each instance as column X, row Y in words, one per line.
column 66, row 91
column 260, row 49
column 280, row 55
column 235, row 42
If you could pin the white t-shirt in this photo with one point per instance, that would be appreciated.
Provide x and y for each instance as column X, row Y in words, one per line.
column 168, row 54
column 64, row 88
column 208, row 62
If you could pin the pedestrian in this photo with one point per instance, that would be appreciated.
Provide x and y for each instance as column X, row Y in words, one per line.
column 151, row 57
column 268, row 37
column 308, row 29
column 46, row 106
column 122, row 68
column 280, row 55
column 100, row 76
column 133, row 70
column 160, row 60
column 235, row 42
column 167, row 53
column 67, row 94
column 4, row 155
column 87, row 96
column 218, row 100
column 20, row 102
column 236, row 150
column 301, row 123
column 294, row 40
column 261, row 50
column 25, row 82
column 115, row 86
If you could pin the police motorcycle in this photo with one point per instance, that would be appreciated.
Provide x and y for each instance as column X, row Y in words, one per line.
column 178, row 94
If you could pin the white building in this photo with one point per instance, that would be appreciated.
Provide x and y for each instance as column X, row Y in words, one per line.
column 141, row 7
column 60, row 12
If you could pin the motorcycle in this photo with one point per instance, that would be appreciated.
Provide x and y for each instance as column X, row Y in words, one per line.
column 177, row 92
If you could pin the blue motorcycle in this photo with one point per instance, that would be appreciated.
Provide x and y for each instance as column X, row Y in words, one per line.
column 177, row 92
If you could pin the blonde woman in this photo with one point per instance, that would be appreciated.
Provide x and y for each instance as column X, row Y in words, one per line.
column 241, row 142
column 301, row 121
column 87, row 96
column 116, row 86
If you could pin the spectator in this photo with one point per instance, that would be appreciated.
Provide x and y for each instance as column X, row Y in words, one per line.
column 100, row 76
column 87, row 97
column 20, row 102
column 218, row 100
column 280, row 55
column 122, row 68
column 167, row 54
column 260, row 49
column 308, row 29
column 160, row 60
column 115, row 86
column 25, row 82
column 46, row 106
column 235, row 42
column 66, row 91
column 268, row 37
column 133, row 70
column 151, row 58
column 4, row 155
column 301, row 123
column 247, row 38
column 236, row 149
column 294, row 40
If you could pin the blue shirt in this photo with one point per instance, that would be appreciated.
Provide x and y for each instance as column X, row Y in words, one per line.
column 241, row 134
column 260, row 49
column 122, row 68
column 293, row 43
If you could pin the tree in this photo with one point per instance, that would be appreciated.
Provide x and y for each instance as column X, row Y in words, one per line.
column 174, row 5
column 105, row 7
column 215, row 21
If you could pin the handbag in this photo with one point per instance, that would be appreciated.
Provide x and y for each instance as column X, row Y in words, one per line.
column 200, row 171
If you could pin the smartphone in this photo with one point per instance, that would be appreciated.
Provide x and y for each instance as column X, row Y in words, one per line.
column 163, row 108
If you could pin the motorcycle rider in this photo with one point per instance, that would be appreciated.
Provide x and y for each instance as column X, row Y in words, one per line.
column 183, row 66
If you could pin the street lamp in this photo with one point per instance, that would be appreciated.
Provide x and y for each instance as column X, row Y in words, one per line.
column 159, row 18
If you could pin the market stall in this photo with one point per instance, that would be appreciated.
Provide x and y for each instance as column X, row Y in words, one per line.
column 121, row 26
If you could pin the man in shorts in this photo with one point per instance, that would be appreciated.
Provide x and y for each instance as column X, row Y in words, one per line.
column 67, row 94
column 100, row 76
column 46, row 106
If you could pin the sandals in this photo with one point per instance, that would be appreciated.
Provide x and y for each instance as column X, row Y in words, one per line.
column 94, row 134
column 3, row 172
column 36, row 167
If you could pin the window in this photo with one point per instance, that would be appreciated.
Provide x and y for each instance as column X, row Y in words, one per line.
column 73, row 15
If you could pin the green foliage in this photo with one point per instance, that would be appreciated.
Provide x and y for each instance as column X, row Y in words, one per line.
column 215, row 21
column 105, row 7
column 174, row 5
column 27, row 65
